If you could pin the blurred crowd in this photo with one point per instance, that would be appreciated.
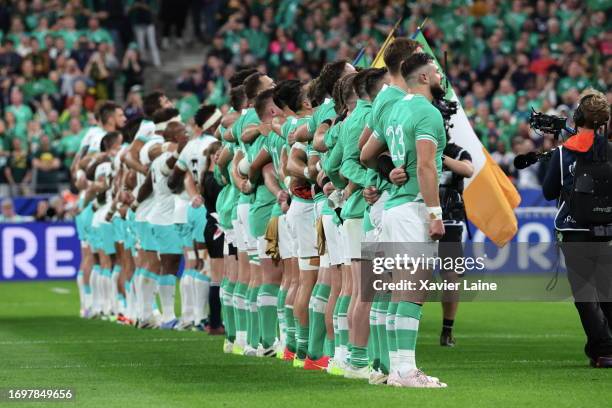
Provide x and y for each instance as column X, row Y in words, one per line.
column 58, row 58
column 504, row 58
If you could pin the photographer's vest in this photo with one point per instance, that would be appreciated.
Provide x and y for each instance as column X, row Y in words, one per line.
column 564, row 220
column 586, row 180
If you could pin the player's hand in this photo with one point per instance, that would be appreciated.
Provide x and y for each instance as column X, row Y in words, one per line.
column 109, row 216
column 371, row 194
column 284, row 207
column 398, row 176
column 282, row 196
column 291, row 138
column 436, row 230
column 264, row 129
column 197, row 201
column 245, row 186
column 181, row 142
column 328, row 188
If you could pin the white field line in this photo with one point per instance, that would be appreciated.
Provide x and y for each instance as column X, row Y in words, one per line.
column 60, row 291
column 102, row 341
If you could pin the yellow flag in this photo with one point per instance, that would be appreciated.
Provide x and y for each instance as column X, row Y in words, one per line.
column 379, row 61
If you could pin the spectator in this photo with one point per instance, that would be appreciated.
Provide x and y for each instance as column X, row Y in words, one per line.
column 142, row 19
column 68, row 145
column 173, row 14
column 18, row 171
column 9, row 58
column 8, row 213
column 46, row 163
column 133, row 107
column 21, row 112
column 58, row 209
column 42, row 211
column 132, row 68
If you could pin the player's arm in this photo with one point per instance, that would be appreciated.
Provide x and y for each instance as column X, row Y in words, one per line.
column 296, row 165
column 270, row 180
column 250, row 133
column 145, row 190
column 176, row 178
column 332, row 165
column 92, row 164
column 262, row 159
column 426, row 172
column 131, row 157
column 463, row 168
column 364, row 137
column 319, row 137
column 373, row 148
column 300, row 134
column 284, row 158
column 228, row 136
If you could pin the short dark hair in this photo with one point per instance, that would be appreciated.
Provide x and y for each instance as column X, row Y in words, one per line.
column 237, row 97
column 261, row 101
column 106, row 110
column 131, row 128
column 164, row 114
column 359, row 83
column 330, row 74
column 373, row 80
column 108, row 140
column 150, row 103
column 414, row 62
column 204, row 113
column 251, row 85
column 289, row 93
column 316, row 94
column 397, row 51
column 238, row 78
column 343, row 89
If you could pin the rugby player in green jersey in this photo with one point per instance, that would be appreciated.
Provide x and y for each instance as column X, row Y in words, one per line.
column 376, row 192
column 415, row 137
column 246, row 131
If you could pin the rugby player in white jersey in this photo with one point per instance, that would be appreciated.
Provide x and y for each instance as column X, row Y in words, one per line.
column 165, row 235
column 137, row 161
column 190, row 217
column 112, row 119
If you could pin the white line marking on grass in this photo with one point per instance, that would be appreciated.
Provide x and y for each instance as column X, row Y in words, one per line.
column 60, row 291
column 102, row 341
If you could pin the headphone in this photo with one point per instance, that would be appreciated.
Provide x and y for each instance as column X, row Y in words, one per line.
column 579, row 119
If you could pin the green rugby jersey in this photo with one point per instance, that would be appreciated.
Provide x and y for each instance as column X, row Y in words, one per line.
column 412, row 118
column 351, row 167
column 381, row 108
column 275, row 144
column 263, row 201
column 248, row 117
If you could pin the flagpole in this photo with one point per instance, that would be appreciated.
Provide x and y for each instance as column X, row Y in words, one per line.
column 419, row 29
column 359, row 55
column 386, row 43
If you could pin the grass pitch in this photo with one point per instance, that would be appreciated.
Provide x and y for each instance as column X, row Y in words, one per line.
column 508, row 354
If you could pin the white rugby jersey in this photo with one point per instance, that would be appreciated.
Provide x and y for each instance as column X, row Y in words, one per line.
column 161, row 212
column 144, row 207
column 191, row 159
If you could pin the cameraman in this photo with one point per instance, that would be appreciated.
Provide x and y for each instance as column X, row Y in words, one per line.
column 456, row 165
column 584, row 258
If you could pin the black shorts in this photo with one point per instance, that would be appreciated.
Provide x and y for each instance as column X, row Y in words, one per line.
column 214, row 238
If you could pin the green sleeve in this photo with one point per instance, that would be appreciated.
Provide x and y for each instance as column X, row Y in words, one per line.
column 430, row 126
column 353, row 171
column 332, row 166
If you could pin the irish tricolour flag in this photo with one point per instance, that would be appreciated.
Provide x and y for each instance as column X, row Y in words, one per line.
column 490, row 197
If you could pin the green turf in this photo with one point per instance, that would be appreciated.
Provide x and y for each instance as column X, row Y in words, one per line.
column 519, row 354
